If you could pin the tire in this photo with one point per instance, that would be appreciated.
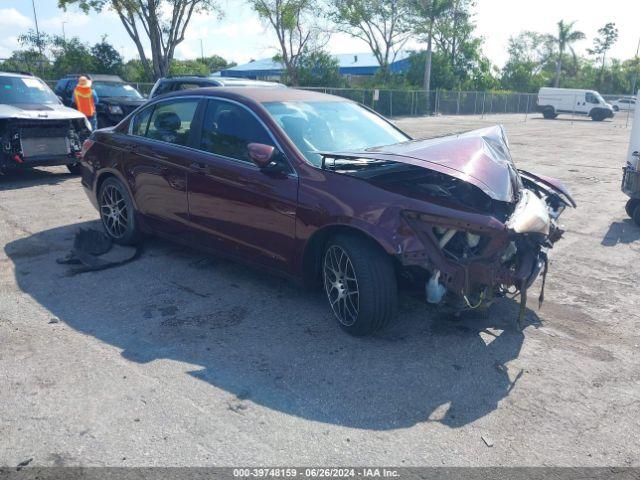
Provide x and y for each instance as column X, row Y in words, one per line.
column 616, row 108
column 636, row 215
column 75, row 168
column 365, row 268
column 549, row 114
column 117, row 213
column 597, row 118
column 631, row 206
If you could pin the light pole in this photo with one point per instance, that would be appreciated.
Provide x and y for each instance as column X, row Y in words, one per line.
column 64, row 37
column 35, row 18
column 201, row 51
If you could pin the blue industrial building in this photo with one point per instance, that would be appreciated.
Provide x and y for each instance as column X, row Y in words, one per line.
column 350, row 64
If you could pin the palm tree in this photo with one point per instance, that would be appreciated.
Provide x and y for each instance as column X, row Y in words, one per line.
column 566, row 36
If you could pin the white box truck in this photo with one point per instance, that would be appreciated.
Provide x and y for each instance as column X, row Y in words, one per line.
column 573, row 101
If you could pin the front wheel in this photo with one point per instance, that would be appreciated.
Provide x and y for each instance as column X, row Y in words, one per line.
column 117, row 213
column 616, row 108
column 360, row 284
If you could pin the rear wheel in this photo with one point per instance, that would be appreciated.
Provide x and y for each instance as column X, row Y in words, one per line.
column 616, row 108
column 631, row 206
column 117, row 212
column 360, row 284
column 549, row 114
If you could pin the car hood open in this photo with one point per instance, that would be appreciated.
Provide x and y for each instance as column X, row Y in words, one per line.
column 480, row 157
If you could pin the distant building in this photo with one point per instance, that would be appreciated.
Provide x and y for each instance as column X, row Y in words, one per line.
column 350, row 64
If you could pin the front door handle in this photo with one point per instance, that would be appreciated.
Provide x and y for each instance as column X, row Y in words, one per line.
column 198, row 167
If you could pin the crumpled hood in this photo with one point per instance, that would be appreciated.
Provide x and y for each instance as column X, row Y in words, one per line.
column 480, row 157
column 39, row 112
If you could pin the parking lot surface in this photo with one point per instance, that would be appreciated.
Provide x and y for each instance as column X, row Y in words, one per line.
column 184, row 359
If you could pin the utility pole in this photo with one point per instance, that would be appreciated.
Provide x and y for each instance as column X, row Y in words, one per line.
column 64, row 37
column 35, row 18
column 201, row 51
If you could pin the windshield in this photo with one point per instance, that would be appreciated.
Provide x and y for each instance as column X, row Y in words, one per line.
column 106, row 89
column 332, row 127
column 30, row 90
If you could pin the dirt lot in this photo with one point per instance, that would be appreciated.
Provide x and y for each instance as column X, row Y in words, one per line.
column 183, row 359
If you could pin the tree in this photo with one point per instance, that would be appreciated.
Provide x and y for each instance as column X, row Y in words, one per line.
column 295, row 25
column 529, row 52
column 161, row 23
column 427, row 12
column 603, row 43
column 320, row 69
column 106, row 58
column 71, row 56
column 566, row 36
column 384, row 25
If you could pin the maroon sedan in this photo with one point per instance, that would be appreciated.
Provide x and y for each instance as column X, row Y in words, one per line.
column 319, row 188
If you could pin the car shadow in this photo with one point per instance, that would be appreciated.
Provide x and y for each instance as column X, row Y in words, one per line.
column 271, row 343
column 621, row 232
column 30, row 177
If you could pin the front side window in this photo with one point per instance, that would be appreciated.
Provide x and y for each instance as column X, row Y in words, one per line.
column 590, row 97
column 140, row 122
column 228, row 128
column 336, row 126
column 171, row 121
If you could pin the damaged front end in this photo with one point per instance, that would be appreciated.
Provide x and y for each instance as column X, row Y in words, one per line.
column 39, row 142
column 483, row 227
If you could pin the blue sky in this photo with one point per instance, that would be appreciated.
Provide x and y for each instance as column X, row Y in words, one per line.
column 240, row 36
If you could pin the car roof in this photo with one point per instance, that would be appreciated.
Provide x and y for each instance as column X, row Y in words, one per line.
column 99, row 77
column 262, row 95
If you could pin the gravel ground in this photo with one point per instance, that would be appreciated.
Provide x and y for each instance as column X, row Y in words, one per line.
column 183, row 359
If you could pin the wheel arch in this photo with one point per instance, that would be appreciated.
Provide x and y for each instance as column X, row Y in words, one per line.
column 111, row 173
column 314, row 247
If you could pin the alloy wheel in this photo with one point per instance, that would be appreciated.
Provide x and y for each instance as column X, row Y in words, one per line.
column 341, row 285
column 114, row 211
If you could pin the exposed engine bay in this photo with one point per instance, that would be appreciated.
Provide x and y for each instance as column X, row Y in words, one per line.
column 485, row 228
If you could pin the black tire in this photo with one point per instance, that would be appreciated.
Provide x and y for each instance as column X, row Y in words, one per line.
column 114, row 200
column 631, row 206
column 549, row 114
column 375, row 283
column 636, row 215
column 616, row 108
column 75, row 168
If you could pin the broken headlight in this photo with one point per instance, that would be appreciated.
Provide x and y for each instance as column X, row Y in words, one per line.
column 530, row 216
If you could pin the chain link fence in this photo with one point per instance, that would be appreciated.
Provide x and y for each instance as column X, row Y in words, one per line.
column 411, row 103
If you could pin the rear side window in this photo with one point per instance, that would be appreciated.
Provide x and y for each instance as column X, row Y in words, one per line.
column 140, row 122
column 163, row 87
column 171, row 121
column 228, row 128
column 187, row 86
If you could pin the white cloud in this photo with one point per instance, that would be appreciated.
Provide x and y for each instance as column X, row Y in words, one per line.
column 11, row 19
column 72, row 20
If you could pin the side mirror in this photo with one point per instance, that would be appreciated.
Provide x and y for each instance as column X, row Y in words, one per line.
column 261, row 154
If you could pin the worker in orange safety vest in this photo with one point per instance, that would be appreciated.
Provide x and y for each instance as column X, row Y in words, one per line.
column 85, row 100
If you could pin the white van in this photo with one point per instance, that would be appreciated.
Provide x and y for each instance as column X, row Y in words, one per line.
column 553, row 101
